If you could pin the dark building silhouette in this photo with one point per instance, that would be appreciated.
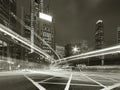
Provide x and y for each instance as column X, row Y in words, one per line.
column 99, row 40
column 99, row 35
column 7, row 7
column 118, row 35
column 68, row 50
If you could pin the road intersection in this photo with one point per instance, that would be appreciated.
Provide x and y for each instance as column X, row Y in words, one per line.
column 59, row 80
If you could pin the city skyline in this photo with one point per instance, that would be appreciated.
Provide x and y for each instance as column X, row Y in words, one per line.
column 59, row 45
column 74, row 19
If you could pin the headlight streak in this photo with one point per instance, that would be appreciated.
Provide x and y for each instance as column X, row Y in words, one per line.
column 22, row 40
column 102, row 52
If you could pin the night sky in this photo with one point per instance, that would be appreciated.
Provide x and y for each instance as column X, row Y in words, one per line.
column 75, row 19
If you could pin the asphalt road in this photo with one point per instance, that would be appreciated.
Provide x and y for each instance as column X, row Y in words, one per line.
column 59, row 80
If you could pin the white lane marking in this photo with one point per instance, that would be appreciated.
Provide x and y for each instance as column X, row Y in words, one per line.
column 106, row 77
column 71, row 84
column 68, row 83
column 111, row 87
column 35, row 83
column 93, row 80
column 109, row 78
column 46, row 79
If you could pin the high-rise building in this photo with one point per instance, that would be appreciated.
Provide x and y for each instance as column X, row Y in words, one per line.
column 39, row 28
column 6, row 8
column 99, row 35
column 99, row 38
column 47, row 29
column 9, row 50
column 60, row 50
column 118, row 35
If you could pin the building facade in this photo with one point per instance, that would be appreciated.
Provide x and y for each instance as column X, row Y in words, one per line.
column 8, row 48
column 60, row 51
column 99, row 35
column 36, row 29
column 47, row 29
column 99, row 40
column 6, row 8
column 118, row 35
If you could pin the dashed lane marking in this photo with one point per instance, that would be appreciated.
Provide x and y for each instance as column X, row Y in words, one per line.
column 35, row 83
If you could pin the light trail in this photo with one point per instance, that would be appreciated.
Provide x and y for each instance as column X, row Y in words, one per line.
column 29, row 28
column 22, row 40
column 102, row 52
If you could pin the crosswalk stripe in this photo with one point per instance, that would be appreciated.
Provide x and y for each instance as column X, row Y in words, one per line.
column 35, row 83
column 111, row 87
column 68, row 83
column 93, row 80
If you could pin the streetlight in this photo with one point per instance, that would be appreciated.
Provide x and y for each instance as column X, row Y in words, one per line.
column 75, row 49
column 45, row 17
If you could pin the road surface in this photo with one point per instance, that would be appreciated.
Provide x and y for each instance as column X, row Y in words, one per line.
column 59, row 80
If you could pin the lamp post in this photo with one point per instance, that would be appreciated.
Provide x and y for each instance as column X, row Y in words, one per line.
column 75, row 50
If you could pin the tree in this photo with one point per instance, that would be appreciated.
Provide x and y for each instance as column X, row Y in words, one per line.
column 68, row 50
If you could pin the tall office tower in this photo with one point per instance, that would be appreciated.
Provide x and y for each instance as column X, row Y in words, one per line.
column 47, row 29
column 7, row 7
column 99, row 35
column 8, row 47
column 35, row 28
column 99, row 38
column 39, row 28
column 118, row 35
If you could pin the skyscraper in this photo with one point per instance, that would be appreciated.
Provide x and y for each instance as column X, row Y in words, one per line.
column 118, row 35
column 99, row 35
column 99, row 38
column 6, row 8
column 47, row 29
column 39, row 28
